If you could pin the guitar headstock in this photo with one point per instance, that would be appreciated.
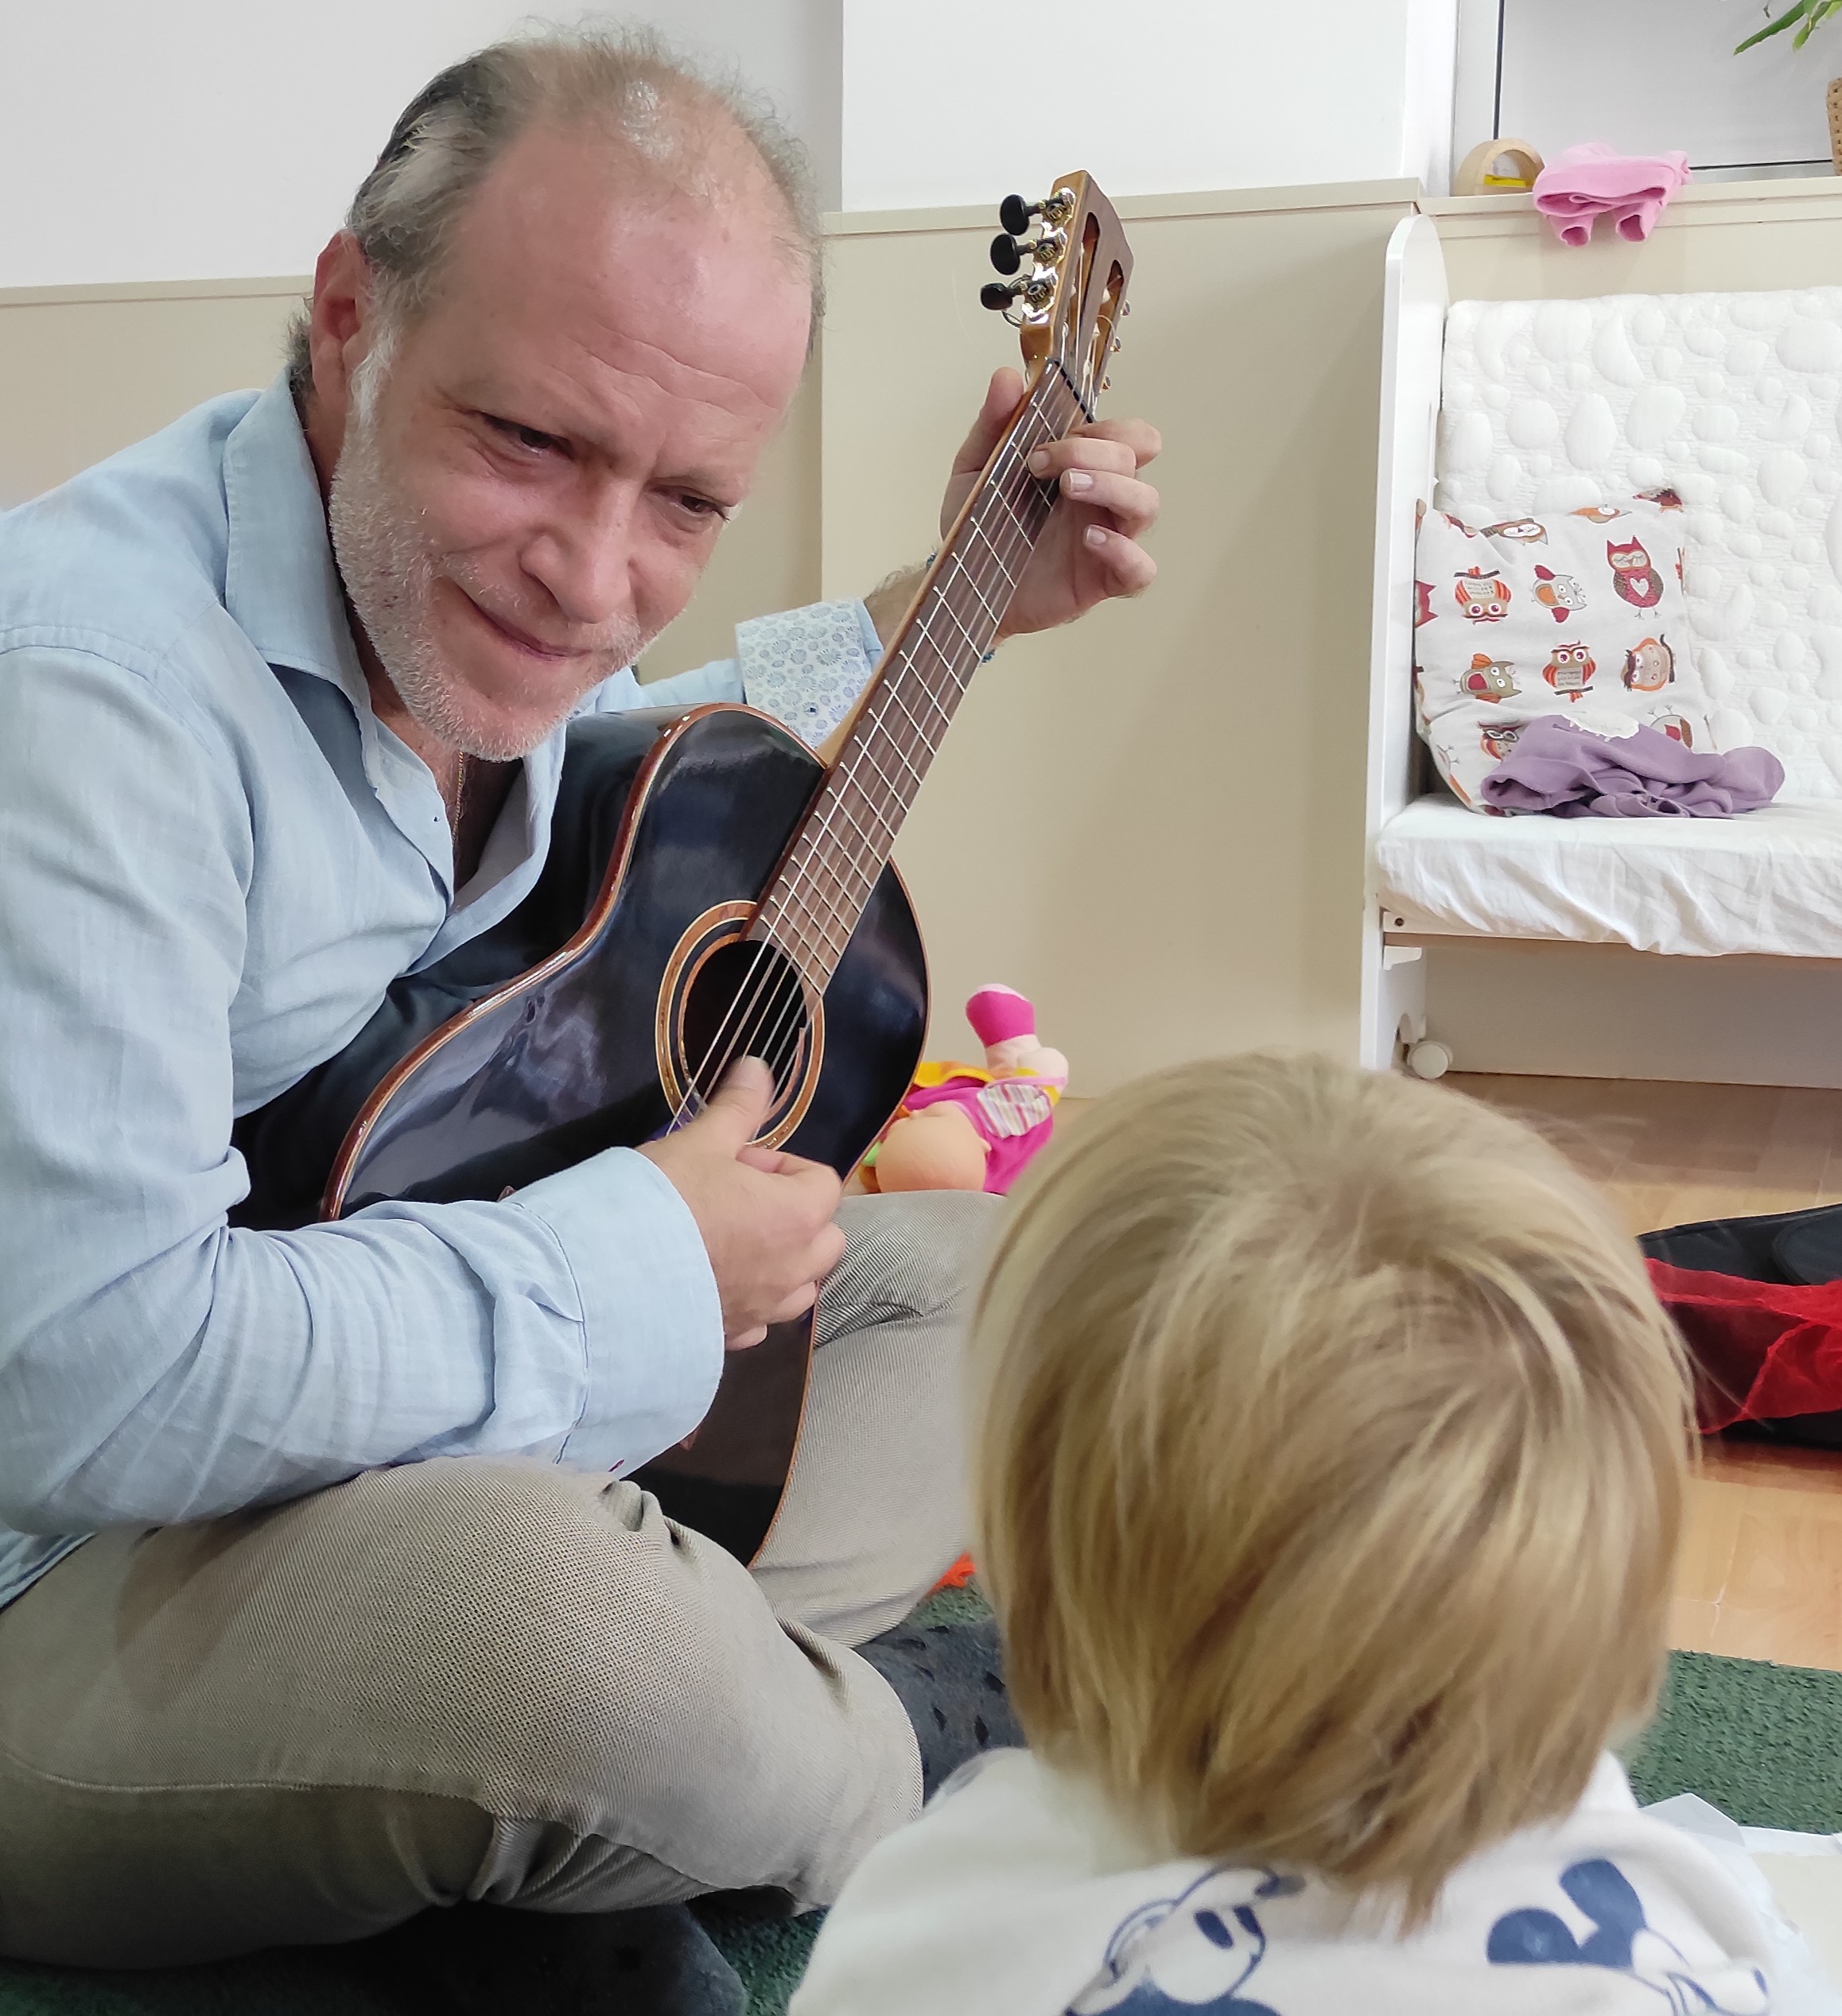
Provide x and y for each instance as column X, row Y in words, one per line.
column 1068, row 306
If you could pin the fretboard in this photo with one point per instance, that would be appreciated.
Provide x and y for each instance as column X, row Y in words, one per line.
column 844, row 843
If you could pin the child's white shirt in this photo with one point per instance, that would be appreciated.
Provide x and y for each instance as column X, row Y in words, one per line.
column 1020, row 1892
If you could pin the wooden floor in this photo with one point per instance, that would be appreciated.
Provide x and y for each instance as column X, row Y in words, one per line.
column 1761, row 1573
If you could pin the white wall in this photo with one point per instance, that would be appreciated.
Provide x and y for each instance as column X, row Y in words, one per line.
column 1645, row 75
column 221, row 139
column 960, row 100
column 193, row 139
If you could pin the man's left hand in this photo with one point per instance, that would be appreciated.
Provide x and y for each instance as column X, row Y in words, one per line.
column 1090, row 551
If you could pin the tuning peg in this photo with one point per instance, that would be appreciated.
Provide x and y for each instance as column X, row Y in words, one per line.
column 1014, row 214
column 1007, row 254
column 1035, row 293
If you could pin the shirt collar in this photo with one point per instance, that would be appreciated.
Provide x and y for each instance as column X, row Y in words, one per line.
column 282, row 589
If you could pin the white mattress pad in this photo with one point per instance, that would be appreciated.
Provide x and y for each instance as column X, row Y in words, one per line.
column 1733, row 400
column 1769, row 881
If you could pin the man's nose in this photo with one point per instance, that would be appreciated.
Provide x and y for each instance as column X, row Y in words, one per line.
column 583, row 558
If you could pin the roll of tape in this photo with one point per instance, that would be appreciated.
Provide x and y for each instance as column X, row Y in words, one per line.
column 1480, row 172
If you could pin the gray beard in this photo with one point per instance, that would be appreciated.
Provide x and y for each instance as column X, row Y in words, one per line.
column 390, row 569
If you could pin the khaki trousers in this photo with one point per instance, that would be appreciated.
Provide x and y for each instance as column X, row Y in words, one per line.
column 500, row 1681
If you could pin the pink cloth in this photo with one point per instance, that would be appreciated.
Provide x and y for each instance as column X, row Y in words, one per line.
column 1586, row 183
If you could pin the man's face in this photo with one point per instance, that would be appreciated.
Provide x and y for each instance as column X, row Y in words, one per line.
column 527, row 489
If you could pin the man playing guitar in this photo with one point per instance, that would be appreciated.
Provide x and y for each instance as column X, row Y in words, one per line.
column 325, row 1599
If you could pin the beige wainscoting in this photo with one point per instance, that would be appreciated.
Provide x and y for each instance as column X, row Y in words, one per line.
column 85, row 371
column 1715, row 237
column 1152, row 823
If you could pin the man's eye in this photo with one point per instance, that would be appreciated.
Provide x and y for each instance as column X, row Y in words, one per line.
column 526, row 437
column 701, row 507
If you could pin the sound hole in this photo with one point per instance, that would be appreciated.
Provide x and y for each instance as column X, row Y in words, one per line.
column 744, row 999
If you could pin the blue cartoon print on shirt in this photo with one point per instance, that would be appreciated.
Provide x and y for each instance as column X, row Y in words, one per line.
column 1190, row 1955
column 1620, row 1938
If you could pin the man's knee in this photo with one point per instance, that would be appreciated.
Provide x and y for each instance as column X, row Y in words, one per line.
column 915, row 1255
column 593, row 1666
column 546, row 1616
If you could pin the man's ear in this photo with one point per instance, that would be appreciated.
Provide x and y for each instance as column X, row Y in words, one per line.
column 339, row 331
column 341, row 327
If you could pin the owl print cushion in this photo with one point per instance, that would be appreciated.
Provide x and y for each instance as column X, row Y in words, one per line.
column 1580, row 614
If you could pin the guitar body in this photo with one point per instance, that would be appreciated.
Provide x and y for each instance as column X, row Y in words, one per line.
column 574, row 1025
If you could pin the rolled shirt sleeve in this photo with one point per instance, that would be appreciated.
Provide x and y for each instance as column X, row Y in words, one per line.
column 651, row 1365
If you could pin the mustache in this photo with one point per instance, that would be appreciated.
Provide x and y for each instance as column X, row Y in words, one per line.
column 616, row 643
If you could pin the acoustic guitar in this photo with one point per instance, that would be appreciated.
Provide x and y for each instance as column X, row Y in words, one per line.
column 712, row 891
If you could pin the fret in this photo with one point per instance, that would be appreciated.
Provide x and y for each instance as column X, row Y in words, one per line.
column 984, row 607
column 896, row 699
column 977, row 643
column 883, row 840
column 870, row 756
column 876, row 846
column 978, row 532
column 917, row 685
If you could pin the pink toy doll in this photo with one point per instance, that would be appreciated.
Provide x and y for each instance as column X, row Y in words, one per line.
column 961, row 1128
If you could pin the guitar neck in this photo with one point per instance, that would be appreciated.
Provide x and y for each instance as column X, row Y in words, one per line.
column 843, row 842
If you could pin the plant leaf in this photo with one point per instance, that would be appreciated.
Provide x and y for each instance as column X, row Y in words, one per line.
column 1804, row 10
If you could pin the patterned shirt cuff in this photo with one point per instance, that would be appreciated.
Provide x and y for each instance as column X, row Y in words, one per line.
column 807, row 666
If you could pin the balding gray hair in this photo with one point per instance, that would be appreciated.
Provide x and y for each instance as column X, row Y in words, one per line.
column 665, row 116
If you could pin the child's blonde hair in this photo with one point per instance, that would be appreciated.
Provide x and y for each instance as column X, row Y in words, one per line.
column 1330, row 1452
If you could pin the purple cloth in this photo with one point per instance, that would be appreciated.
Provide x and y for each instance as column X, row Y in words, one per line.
column 1557, row 767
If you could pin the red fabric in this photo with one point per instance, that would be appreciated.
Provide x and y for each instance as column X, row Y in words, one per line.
column 958, row 1575
column 1763, row 1349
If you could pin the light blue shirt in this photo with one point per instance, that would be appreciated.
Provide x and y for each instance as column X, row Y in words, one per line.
column 214, row 859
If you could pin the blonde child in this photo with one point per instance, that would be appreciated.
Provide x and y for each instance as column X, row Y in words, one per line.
column 1330, row 1459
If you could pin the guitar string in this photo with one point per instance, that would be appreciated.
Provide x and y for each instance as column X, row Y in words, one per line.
column 783, row 1002
column 775, row 1025
column 823, row 834
column 749, row 999
column 777, row 998
column 777, row 994
column 809, row 912
column 796, row 909
column 777, row 1003
column 781, row 1049
column 845, row 863
column 941, row 606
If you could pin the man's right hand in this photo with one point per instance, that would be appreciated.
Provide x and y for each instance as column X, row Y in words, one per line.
column 766, row 1218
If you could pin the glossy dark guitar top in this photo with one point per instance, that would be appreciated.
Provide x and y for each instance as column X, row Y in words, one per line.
column 537, row 1045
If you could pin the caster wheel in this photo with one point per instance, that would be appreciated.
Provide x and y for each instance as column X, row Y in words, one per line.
column 1427, row 1059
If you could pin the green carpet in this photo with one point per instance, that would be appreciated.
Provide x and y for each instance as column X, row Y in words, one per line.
column 1764, row 1743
